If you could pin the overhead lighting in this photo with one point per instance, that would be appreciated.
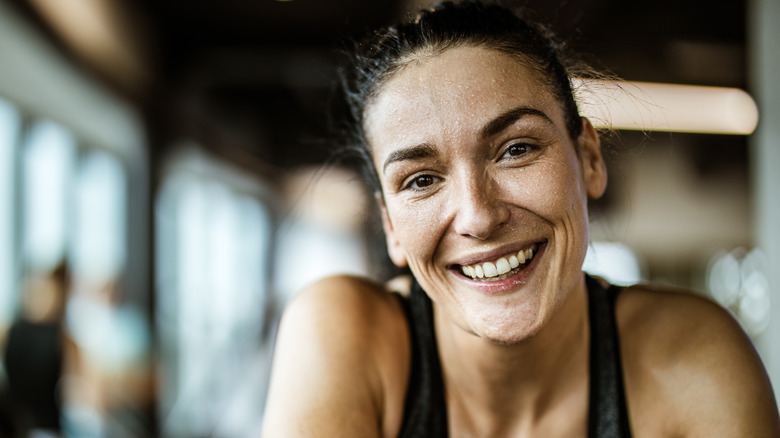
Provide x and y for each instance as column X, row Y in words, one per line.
column 104, row 33
column 650, row 106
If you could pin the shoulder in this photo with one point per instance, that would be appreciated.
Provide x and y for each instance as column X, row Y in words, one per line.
column 665, row 326
column 656, row 313
column 342, row 350
column 347, row 313
column 343, row 300
column 688, row 361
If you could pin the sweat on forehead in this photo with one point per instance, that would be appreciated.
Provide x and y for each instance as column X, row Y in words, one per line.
column 421, row 57
column 464, row 94
column 447, row 82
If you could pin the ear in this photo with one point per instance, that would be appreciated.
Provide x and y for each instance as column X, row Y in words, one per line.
column 594, row 170
column 394, row 248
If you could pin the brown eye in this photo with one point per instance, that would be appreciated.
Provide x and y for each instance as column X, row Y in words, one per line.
column 422, row 182
column 518, row 150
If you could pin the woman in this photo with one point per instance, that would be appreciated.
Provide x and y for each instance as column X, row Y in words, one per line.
column 484, row 172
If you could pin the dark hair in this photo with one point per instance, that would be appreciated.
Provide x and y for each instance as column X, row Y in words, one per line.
column 443, row 26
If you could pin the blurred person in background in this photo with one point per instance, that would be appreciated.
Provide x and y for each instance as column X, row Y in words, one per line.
column 483, row 169
column 33, row 356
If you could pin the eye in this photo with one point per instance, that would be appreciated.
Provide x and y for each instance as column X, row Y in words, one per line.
column 421, row 182
column 519, row 149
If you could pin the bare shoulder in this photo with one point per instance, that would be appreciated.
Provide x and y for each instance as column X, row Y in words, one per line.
column 341, row 350
column 657, row 313
column 344, row 300
column 688, row 361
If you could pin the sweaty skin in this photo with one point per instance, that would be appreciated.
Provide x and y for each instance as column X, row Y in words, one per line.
column 475, row 165
column 482, row 199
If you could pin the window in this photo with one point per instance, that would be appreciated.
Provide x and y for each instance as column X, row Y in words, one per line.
column 98, row 247
column 47, row 163
column 214, row 236
column 613, row 261
column 9, row 132
column 324, row 223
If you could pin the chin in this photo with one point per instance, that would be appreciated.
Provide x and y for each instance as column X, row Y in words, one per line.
column 510, row 329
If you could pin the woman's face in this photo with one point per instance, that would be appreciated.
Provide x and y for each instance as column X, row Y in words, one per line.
column 477, row 170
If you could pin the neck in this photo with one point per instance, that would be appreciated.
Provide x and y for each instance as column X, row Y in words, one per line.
column 494, row 385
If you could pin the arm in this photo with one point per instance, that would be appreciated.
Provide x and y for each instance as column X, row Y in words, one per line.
column 694, row 370
column 326, row 379
column 731, row 394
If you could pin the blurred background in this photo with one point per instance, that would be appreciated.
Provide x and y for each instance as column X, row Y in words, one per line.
column 163, row 194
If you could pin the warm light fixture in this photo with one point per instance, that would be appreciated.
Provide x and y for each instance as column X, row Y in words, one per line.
column 101, row 32
column 666, row 107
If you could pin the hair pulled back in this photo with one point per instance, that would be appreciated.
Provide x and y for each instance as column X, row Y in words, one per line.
column 446, row 25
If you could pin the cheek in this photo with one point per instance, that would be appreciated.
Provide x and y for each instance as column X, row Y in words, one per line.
column 417, row 225
column 563, row 203
column 550, row 189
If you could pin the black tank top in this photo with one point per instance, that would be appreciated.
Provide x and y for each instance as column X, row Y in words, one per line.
column 425, row 411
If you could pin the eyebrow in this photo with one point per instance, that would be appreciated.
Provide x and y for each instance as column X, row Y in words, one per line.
column 417, row 152
column 506, row 119
column 493, row 127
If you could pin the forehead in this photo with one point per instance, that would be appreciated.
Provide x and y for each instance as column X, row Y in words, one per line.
column 453, row 93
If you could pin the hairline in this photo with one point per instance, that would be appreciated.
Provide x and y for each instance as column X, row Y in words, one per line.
column 437, row 48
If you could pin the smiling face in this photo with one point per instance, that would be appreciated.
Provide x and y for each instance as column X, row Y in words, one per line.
column 478, row 173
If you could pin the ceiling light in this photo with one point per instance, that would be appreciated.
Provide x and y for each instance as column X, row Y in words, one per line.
column 650, row 106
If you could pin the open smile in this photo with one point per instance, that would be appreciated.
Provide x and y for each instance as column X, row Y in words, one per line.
column 502, row 268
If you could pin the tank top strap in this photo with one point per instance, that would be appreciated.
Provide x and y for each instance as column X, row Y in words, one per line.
column 425, row 409
column 608, row 413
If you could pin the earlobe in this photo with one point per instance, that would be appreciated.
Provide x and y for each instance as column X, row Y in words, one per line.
column 594, row 169
column 394, row 248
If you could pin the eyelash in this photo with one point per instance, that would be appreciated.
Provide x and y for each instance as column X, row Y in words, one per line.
column 527, row 146
column 410, row 185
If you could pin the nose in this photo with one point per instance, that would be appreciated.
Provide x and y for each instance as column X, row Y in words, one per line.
column 477, row 208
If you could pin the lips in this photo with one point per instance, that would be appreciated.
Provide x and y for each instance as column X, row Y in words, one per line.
column 502, row 267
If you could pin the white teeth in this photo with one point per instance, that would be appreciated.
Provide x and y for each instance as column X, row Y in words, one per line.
column 502, row 266
column 489, row 269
